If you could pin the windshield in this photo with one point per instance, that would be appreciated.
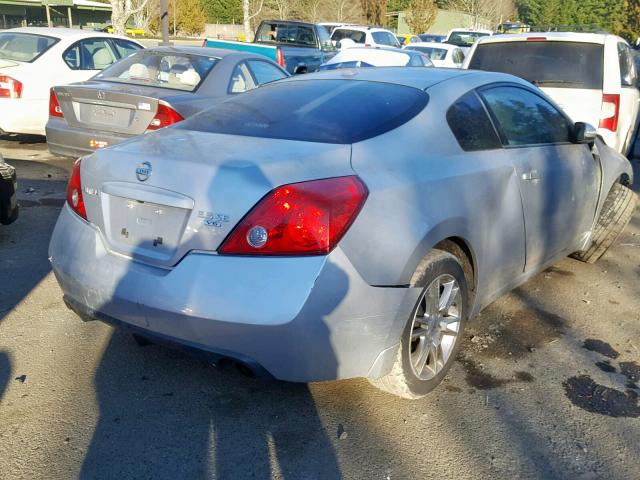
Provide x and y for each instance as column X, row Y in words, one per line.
column 24, row 47
column 465, row 39
column 432, row 52
column 544, row 63
column 385, row 38
column 323, row 111
column 160, row 69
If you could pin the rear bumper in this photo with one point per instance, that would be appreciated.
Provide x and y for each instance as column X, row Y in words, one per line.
column 300, row 319
column 8, row 194
column 75, row 142
column 23, row 115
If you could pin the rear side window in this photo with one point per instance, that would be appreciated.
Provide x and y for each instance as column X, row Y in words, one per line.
column 526, row 118
column 627, row 66
column 471, row 125
column 24, row 47
column 265, row 72
column 293, row 34
column 90, row 54
column 544, row 63
column 324, row 111
column 385, row 38
column 125, row 47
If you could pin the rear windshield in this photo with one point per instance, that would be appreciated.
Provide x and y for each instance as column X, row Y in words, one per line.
column 160, row 69
column 323, row 111
column 431, row 52
column 340, row 65
column 465, row 39
column 552, row 64
column 287, row 33
column 24, row 47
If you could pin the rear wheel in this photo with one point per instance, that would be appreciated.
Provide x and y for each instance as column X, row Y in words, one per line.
column 432, row 335
column 616, row 212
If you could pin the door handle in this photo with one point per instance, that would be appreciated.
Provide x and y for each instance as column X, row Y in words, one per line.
column 531, row 176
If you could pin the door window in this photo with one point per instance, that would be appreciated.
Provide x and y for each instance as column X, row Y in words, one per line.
column 526, row 118
column 241, row 80
column 469, row 122
column 264, row 72
column 90, row 54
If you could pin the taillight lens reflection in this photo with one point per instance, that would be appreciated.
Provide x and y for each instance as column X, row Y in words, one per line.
column 74, row 191
column 165, row 116
column 307, row 218
column 54, row 105
column 10, row 87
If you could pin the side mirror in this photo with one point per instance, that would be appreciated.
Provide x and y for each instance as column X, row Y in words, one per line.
column 584, row 133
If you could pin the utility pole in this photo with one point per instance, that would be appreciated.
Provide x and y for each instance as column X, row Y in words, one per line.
column 164, row 22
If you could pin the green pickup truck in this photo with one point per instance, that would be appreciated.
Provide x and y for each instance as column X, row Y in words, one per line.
column 296, row 46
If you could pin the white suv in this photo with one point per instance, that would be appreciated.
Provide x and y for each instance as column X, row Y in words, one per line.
column 364, row 36
column 592, row 76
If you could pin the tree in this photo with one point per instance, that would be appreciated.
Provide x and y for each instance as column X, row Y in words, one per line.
column 343, row 11
column 482, row 12
column 190, row 17
column 223, row 11
column 375, row 11
column 247, row 16
column 421, row 15
column 121, row 12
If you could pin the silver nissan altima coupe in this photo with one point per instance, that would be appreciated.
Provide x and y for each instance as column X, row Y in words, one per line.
column 340, row 224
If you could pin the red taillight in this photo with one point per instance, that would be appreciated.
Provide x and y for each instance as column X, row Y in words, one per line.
column 74, row 191
column 307, row 218
column 10, row 87
column 536, row 39
column 165, row 116
column 280, row 58
column 610, row 111
column 54, row 105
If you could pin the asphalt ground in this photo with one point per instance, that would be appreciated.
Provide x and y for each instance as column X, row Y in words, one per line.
column 546, row 387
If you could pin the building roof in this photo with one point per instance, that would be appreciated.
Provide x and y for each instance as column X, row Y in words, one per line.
column 82, row 4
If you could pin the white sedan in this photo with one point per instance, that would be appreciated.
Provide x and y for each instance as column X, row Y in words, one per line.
column 32, row 60
column 376, row 57
column 441, row 54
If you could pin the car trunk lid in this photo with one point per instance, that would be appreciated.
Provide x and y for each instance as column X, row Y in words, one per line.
column 174, row 191
column 123, row 109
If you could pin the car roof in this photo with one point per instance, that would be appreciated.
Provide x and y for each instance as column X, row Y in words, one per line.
column 416, row 77
column 363, row 28
column 552, row 36
column 470, row 30
column 61, row 32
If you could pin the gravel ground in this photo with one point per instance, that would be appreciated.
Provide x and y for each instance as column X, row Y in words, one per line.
column 547, row 386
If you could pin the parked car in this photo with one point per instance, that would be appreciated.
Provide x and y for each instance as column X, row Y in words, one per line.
column 336, row 226
column 358, row 57
column 151, row 89
column 32, row 60
column 331, row 26
column 8, row 189
column 365, row 36
column 592, row 76
column 441, row 54
column 465, row 37
column 128, row 30
column 297, row 47
column 408, row 39
column 427, row 37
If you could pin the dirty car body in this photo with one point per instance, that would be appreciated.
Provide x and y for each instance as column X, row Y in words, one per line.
column 421, row 178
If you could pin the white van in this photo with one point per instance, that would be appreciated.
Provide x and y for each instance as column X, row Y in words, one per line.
column 592, row 76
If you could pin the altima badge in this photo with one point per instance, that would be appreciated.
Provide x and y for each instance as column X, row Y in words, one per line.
column 143, row 172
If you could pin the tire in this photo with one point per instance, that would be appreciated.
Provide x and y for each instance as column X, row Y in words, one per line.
column 616, row 212
column 405, row 379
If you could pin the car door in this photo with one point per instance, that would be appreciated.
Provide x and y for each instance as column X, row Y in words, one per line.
column 558, row 178
column 629, row 97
